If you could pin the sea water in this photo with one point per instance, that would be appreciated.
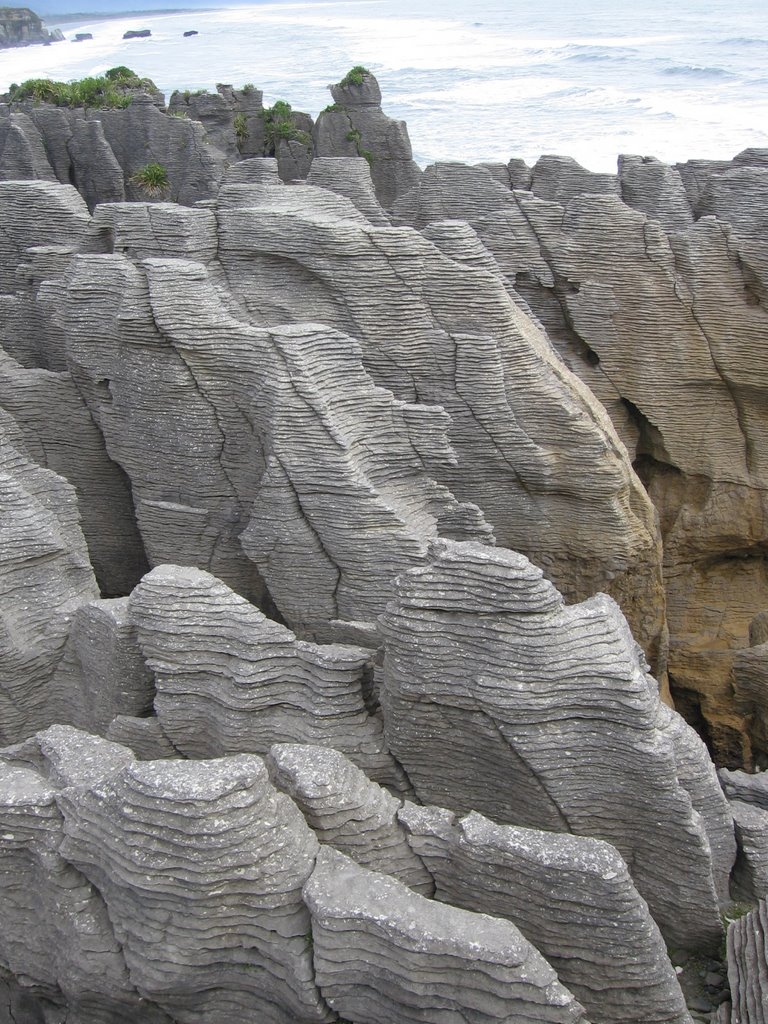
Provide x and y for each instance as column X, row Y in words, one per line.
column 475, row 81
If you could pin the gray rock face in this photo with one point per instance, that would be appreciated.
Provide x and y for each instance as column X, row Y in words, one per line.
column 60, row 435
column 496, row 698
column 356, row 125
column 470, row 348
column 229, row 679
column 102, row 673
column 385, row 955
column 208, row 912
column 648, row 320
column 560, row 179
column 45, row 576
column 350, row 177
column 348, row 811
column 747, row 945
column 573, row 900
column 57, row 935
column 22, row 152
column 657, row 190
column 750, row 875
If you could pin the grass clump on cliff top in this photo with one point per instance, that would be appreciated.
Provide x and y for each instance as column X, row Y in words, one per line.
column 112, row 90
column 355, row 76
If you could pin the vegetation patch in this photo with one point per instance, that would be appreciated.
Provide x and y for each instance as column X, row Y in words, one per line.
column 240, row 124
column 152, row 179
column 280, row 123
column 112, row 90
column 355, row 76
column 353, row 135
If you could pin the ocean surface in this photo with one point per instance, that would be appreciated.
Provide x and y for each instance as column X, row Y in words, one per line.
column 477, row 81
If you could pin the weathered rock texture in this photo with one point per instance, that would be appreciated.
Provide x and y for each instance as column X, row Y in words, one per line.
column 385, row 955
column 355, row 125
column 230, row 680
column 100, row 151
column 348, row 811
column 497, row 697
column 571, row 897
column 747, row 975
column 664, row 318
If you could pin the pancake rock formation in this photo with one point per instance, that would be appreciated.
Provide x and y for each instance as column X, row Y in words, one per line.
column 347, row 510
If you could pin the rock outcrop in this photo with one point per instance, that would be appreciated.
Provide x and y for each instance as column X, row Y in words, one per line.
column 355, row 126
column 663, row 318
column 571, row 897
column 20, row 26
column 496, row 697
column 385, row 955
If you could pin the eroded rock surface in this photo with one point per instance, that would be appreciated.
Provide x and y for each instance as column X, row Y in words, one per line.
column 496, row 697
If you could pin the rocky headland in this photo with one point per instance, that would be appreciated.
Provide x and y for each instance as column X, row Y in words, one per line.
column 383, row 572
column 19, row 26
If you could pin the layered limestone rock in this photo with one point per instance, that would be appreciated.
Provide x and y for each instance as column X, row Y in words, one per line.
column 747, row 956
column 386, row 955
column 348, row 811
column 497, row 697
column 101, row 151
column 463, row 342
column 748, row 801
column 666, row 329
column 356, row 126
column 22, row 152
column 45, row 576
column 102, row 673
column 207, row 906
column 749, row 678
column 571, row 897
column 217, row 112
column 59, row 434
column 229, row 679
column 57, row 935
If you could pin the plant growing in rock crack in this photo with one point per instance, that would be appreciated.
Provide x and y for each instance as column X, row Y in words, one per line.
column 353, row 135
column 151, row 179
column 240, row 125
column 280, row 123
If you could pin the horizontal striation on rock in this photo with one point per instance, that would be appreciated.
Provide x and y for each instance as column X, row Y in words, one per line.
column 571, row 897
column 668, row 331
column 498, row 698
column 333, row 517
column 45, row 576
column 57, row 935
column 60, row 435
column 750, row 873
column 156, row 423
column 207, row 905
column 462, row 342
column 385, row 955
column 350, row 177
column 348, row 811
column 747, row 971
column 37, row 213
column 230, row 680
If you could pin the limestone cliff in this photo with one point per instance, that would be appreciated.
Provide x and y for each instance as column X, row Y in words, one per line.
column 19, row 26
